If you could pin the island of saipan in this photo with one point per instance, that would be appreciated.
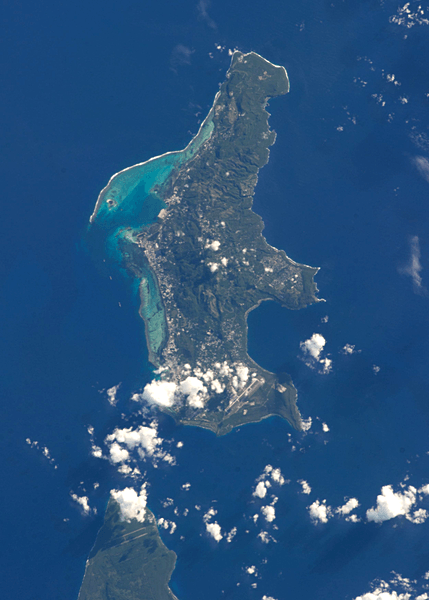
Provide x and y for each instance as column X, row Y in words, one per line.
column 182, row 224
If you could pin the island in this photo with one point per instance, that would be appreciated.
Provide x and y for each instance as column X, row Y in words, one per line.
column 128, row 560
column 182, row 224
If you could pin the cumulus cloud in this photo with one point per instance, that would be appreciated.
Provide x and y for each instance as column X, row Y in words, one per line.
column 195, row 390
column 132, row 504
column 306, row 424
column 413, row 268
column 347, row 508
column 43, row 449
column 348, row 349
column 215, row 245
column 112, row 394
column 214, row 530
column 159, row 392
column 397, row 588
column 269, row 513
column 306, row 489
column 266, row 538
column 313, row 346
column 263, row 481
column 392, row 504
column 320, row 512
column 83, row 502
column 260, row 490
column 166, row 524
column 143, row 438
column 231, row 535
column 312, row 350
column 118, row 454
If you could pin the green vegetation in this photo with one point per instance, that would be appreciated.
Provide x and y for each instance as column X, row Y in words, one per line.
column 128, row 561
column 210, row 264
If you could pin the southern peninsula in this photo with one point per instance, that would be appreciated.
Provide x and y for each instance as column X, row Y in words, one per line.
column 183, row 225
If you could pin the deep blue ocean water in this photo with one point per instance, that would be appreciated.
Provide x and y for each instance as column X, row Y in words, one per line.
column 91, row 90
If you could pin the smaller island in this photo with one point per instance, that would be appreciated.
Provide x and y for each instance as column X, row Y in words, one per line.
column 128, row 561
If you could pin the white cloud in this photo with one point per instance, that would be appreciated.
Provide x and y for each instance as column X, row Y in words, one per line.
column 319, row 511
column 398, row 588
column 251, row 570
column 313, row 346
column 209, row 514
column 269, row 513
column 132, row 505
column 413, row 268
column 418, row 516
column 260, row 490
column 43, row 449
column 159, row 392
column 408, row 18
column 312, row 350
column 118, row 454
column 83, row 501
column 96, row 451
column 265, row 537
column 306, row 424
column 348, row 349
column 392, row 504
column 214, row 530
column 325, row 427
column 306, row 489
column 347, row 508
column 216, row 386
column 213, row 267
column 231, row 535
column 277, row 477
column 186, row 487
column 195, row 391
column 142, row 437
column 112, row 394
column 215, row 245
column 380, row 594
column 144, row 440
column 268, row 598
column 166, row 524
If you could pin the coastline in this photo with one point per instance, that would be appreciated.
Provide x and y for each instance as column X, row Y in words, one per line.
column 100, row 196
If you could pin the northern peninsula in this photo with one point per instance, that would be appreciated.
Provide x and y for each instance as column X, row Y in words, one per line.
column 128, row 560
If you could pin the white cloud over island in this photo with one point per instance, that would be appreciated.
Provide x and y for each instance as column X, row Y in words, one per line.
column 132, row 504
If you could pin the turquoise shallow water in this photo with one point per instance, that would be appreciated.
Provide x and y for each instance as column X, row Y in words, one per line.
column 130, row 202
